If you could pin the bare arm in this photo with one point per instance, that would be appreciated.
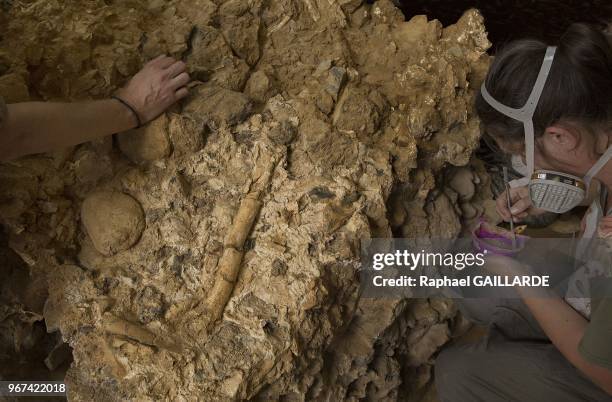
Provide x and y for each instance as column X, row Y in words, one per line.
column 562, row 324
column 34, row 127
column 565, row 328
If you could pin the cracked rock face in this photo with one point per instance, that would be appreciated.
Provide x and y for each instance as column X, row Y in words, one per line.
column 219, row 252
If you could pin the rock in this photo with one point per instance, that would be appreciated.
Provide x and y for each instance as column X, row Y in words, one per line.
column 425, row 345
column 242, row 35
column 283, row 133
column 114, row 221
column 468, row 211
column 218, row 105
column 257, row 86
column 463, row 182
column 92, row 162
column 211, row 59
column 13, row 88
column 350, row 6
column 360, row 111
column 325, row 102
column 201, row 12
column 149, row 305
column 60, row 354
column 442, row 224
column 231, row 74
column 209, row 50
column 147, row 143
column 385, row 12
column 335, row 80
column 186, row 134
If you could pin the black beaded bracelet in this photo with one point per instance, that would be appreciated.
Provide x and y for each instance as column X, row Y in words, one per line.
column 134, row 112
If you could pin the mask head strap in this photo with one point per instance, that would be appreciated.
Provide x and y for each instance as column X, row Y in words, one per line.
column 525, row 113
column 601, row 162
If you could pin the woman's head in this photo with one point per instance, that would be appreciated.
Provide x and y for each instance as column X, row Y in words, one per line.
column 575, row 107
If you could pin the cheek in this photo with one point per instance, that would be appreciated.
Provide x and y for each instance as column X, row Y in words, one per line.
column 551, row 159
column 557, row 160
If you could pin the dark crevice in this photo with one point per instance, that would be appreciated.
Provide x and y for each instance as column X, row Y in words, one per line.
column 507, row 20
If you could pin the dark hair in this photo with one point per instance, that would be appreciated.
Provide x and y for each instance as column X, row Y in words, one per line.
column 578, row 88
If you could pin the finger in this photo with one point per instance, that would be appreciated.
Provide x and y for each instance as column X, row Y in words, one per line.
column 179, row 81
column 520, row 206
column 502, row 207
column 164, row 61
column 176, row 68
column 157, row 59
column 504, row 215
column 518, row 193
column 181, row 93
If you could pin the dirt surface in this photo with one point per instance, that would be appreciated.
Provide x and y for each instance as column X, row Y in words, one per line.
column 228, row 269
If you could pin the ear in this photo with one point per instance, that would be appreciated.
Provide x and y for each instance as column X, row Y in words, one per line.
column 561, row 138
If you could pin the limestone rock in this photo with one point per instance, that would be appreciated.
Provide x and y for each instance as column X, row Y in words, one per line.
column 209, row 51
column 147, row 143
column 186, row 134
column 334, row 81
column 241, row 32
column 360, row 111
column 114, row 221
column 257, row 86
column 463, row 182
column 231, row 74
column 218, row 105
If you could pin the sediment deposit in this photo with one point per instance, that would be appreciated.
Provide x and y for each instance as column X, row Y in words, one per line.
column 229, row 268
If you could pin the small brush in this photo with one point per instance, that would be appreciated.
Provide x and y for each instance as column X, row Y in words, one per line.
column 509, row 206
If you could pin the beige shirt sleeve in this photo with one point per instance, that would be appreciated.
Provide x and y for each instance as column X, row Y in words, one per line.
column 3, row 111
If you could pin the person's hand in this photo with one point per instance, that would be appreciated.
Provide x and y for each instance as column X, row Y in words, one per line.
column 520, row 202
column 156, row 87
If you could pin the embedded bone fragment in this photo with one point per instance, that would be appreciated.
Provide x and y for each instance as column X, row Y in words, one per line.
column 225, row 279
column 243, row 221
column 228, row 268
column 114, row 221
column 118, row 326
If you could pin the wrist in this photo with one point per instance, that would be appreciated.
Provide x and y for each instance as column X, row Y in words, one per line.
column 127, row 113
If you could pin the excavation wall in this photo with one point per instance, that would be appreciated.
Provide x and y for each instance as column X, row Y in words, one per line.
column 215, row 252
